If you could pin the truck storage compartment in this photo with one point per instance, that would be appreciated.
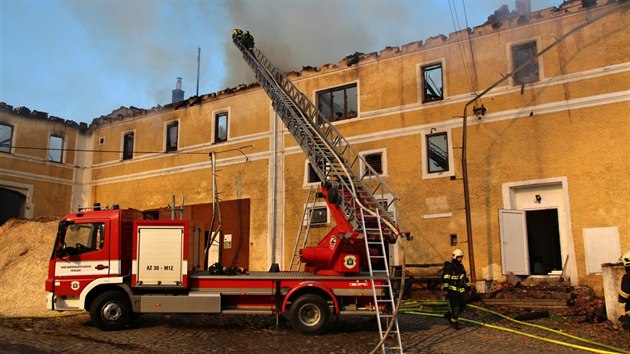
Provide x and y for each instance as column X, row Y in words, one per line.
column 194, row 303
column 160, row 254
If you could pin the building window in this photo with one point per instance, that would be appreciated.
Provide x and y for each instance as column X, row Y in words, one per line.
column 375, row 160
column 520, row 55
column 387, row 202
column 317, row 215
column 437, row 152
column 338, row 103
column 220, row 127
column 127, row 146
column 172, row 130
column 432, row 84
column 310, row 175
column 55, row 148
column 6, row 136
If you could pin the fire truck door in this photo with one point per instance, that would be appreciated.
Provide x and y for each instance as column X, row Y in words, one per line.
column 85, row 256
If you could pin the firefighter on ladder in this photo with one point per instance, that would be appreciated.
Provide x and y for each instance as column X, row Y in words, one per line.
column 455, row 284
column 624, row 291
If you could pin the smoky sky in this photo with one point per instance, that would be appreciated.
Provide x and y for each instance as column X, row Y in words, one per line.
column 80, row 60
column 312, row 33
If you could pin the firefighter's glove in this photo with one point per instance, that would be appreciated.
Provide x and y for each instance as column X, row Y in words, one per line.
column 445, row 294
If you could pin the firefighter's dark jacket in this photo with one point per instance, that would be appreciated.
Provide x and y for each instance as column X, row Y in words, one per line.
column 454, row 277
column 624, row 290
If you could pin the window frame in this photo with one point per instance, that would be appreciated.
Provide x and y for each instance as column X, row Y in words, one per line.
column 8, row 148
column 346, row 112
column 512, row 50
column 128, row 155
column 217, row 116
column 424, row 69
column 364, row 154
column 168, row 144
column 307, row 175
column 49, row 157
column 425, row 154
column 313, row 207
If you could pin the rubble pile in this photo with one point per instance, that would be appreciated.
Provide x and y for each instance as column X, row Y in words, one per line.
column 576, row 304
column 25, row 251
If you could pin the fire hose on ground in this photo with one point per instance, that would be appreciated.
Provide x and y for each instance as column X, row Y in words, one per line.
column 427, row 308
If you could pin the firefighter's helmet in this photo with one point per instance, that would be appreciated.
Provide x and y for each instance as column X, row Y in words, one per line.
column 625, row 259
column 458, row 253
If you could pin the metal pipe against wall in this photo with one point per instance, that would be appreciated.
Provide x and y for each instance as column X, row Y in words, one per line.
column 274, row 175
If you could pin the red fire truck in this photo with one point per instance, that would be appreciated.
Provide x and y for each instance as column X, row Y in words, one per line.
column 114, row 264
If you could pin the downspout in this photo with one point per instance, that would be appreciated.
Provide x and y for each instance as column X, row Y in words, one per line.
column 465, row 124
column 274, row 185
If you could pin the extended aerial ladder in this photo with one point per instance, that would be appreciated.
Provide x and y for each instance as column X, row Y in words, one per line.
column 357, row 197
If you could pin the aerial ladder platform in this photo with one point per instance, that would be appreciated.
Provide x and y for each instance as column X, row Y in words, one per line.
column 357, row 196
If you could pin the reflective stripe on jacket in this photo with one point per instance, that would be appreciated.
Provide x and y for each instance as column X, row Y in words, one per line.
column 454, row 277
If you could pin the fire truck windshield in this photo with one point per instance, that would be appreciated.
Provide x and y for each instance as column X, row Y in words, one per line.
column 81, row 238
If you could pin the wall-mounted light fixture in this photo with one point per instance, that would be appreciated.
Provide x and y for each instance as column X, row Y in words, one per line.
column 538, row 198
column 479, row 111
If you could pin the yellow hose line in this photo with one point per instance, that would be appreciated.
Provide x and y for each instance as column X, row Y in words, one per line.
column 518, row 332
column 551, row 330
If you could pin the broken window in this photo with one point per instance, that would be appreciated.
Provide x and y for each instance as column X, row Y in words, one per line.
column 172, row 131
column 375, row 160
column 6, row 136
column 55, row 148
column 127, row 146
column 520, row 55
column 338, row 103
column 432, row 84
column 220, row 127
column 437, row 152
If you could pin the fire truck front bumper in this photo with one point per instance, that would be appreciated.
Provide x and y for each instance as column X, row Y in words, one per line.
column 63, row 303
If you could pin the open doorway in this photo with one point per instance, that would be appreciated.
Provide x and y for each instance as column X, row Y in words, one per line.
column 12, row 205
column 543, row 241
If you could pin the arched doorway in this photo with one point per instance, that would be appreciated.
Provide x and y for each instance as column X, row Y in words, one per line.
column 12, row 204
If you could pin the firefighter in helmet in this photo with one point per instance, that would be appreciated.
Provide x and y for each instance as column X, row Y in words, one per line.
column 455, row 284
column 624, row 291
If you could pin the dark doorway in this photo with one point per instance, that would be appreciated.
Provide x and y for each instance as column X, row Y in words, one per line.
column 12, row 205
column 543, row 236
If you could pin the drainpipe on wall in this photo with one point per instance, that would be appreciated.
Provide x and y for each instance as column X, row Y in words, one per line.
column 465, row 124
column 274, row 175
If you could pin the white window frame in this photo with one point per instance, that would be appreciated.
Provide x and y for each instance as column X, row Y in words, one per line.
column 63, row 144
column 420, row 81
column 332, row 87
column 307, row 183
column 318, row 205
column 122, row 143
column 383, row 153
column 165, row 137
column 11, row 138
column 214, row 115
column 425, row 155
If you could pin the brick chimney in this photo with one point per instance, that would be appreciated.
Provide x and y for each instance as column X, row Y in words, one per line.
column 523, row 7
column 178, row 93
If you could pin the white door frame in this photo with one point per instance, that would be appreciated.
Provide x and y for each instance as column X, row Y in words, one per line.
column 521, row 196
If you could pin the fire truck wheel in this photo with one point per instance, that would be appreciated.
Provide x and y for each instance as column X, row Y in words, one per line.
column 309, row 314
column 110, row 311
